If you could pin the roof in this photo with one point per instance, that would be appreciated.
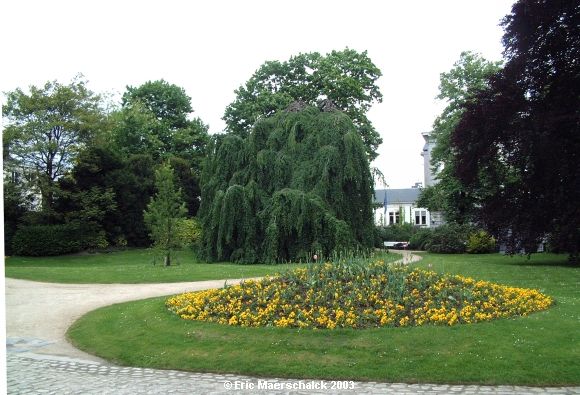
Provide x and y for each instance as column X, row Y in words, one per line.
column 397, row 196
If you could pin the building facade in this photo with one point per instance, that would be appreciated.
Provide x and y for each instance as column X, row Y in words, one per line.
column 399, row 206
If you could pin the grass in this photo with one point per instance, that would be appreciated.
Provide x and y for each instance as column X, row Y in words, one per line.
column 541, row 349
column 128, row 267
column 134, row 266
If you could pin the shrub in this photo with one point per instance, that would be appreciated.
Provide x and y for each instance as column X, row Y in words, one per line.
column 43, row 240
column 420, row 239
column 449, row 239
column 480, row 242
column 397, row 232
column 188, row 232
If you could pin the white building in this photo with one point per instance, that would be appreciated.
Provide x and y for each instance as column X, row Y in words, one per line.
column 398, row 206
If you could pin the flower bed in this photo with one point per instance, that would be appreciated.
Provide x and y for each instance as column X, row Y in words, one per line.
column 357, row 296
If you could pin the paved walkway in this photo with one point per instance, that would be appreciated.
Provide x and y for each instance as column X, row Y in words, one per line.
column 40, row 360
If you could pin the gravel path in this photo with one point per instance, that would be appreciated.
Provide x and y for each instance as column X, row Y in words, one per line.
column 40, row 360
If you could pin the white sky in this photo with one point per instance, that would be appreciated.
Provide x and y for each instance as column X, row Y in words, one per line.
column 212, row 47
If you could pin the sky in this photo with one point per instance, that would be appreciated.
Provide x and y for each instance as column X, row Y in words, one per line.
column 210, row 48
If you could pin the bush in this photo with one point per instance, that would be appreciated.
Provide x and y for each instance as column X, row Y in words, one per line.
column 420, row 239
column 449, row 239
column 397, row 232
column 188, row 232
column 480, row 242
column 44, row 240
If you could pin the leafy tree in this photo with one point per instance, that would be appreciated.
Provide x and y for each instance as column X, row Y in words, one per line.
column 134, row 186
column 88, row 192
column 155, row 120
column 136, row 131
column 517, row 142
column 188, row 181
column 347, row 78
column 167, row 102
column 164, row 212
column 299, row 184
column 46, row 128
column 457, row 87
column 113, row 190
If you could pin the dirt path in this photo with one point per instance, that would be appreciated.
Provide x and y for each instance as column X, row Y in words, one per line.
column 41, row 313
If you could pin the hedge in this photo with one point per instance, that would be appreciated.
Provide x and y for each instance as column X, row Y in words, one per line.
column 44, row 240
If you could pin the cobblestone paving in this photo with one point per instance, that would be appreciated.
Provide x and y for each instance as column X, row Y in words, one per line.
column 32, row 373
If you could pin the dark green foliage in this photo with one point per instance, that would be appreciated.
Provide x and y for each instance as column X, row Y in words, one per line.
column 420, row 239
column 448, row 239
column 110, row 189
column 135, row 188
column 346, row 77
column 155, row 120
column 14, row 210
column 188, row 181
column 98, row 168
column 397, row 232
column 42, row 240
column 299, row 184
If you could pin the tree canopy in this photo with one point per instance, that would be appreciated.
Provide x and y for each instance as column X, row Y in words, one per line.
column 347, row 78
column 469, row 75
column 46, row 128
column 517, row 142
column 299, row 184
column 156, row 119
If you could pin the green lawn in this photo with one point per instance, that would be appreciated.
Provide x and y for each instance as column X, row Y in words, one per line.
column 129, row 267
column 542, row 349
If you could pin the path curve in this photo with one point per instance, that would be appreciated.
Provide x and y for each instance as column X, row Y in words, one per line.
column 40, row 359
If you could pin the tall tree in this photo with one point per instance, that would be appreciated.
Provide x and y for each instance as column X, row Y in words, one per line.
column 299, row 184
column 517, row 142
column 91, row 191
column 47, row 126
column 347, row 78
column 469, row 75
column 164, row 212
column 155, row 120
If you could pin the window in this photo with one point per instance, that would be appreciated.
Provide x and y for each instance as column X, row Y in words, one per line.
column 420, row 217
column 394, row 217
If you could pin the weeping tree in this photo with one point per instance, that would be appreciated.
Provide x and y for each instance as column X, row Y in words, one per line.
column 299, row 184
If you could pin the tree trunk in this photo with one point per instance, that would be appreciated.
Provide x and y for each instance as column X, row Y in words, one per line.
column 167, row 260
